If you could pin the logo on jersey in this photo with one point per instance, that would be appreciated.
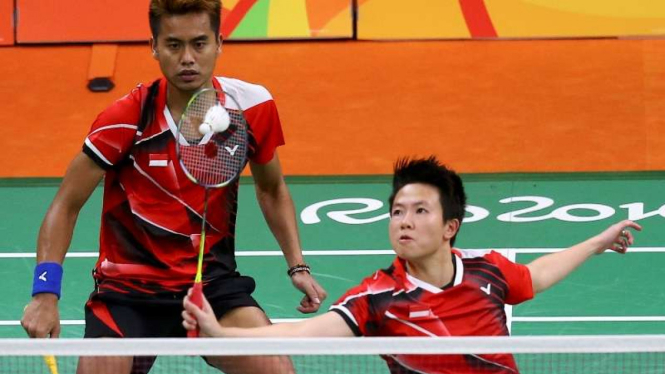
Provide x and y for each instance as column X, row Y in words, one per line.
column 487, row 289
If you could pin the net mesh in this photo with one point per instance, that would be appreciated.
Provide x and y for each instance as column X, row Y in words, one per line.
column 564, row 354
column 218, row 157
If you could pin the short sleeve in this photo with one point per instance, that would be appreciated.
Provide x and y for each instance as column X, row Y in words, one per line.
column 112, row 134
column 517, row 276
column 267, row 130
column 261, row 114
column 362, row 307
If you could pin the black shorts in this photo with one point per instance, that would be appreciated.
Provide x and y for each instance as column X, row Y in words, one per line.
column 115, row 315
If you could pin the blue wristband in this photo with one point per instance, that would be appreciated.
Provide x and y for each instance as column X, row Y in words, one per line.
column 47, row 278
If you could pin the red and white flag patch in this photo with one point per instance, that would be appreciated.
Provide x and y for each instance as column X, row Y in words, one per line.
column 159, row 160
column 419, row 311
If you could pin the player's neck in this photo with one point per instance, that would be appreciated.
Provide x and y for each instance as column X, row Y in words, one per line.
column 437, row 270
column 176, row 100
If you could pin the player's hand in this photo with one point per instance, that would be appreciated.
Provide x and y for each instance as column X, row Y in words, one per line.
column 204, row 318
column 314, row 293
column 617, row 237
column 41, row 318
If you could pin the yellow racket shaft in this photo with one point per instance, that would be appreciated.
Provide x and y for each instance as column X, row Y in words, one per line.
column 51, row 363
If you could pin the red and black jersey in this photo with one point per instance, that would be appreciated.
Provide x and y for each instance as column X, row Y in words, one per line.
column 152, row 213
column 394, row 303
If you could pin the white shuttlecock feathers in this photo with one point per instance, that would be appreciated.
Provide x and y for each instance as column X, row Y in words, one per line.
column 216, row 120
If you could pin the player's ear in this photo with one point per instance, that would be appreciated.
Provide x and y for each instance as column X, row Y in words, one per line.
column 220, row 40
column 450, row 229
column 153, row 47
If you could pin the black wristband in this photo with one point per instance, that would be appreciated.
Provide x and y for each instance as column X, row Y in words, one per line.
column 297, row 269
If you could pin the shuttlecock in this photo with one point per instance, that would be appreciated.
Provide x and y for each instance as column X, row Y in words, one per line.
column 205, row 128
column 216, row 120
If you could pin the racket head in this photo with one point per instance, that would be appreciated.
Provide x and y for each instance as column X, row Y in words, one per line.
column 215, row 159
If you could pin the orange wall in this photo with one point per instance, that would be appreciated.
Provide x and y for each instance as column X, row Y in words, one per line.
column 52, row 21
column 354, row 107
column 47, row 21
column 6, row 22
column 66, row 21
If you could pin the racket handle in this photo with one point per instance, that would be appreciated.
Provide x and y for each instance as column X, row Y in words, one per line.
column 51, row 363
column 197, row 299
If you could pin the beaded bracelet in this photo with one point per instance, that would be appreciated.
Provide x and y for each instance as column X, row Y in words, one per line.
column 297, row 269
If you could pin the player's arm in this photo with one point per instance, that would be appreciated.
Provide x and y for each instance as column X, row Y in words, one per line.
column 548, row 270
column 329, row 324
column 41, row 318
column 277, row 207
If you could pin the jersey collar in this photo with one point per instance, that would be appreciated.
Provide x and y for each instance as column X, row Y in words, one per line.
column 411, row 282
column 166, row 121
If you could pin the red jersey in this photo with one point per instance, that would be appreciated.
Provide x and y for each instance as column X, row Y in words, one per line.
column 394, row 303
column 152, row 213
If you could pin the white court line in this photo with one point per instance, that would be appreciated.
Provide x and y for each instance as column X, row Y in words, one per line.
column 80, row 322
column 368, row 252
column 72, row 322
column 591, row 319
column 238, row 253
column 551, row 250
column 508, row 309
column 33, row 254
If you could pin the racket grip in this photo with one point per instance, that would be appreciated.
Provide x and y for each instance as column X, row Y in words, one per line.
column 197, row 299
column 51, row 363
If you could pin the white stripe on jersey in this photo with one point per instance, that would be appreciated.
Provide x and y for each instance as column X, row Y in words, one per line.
column 173, row 126
column 248, row 95
column 92, row 147
column 340, row 306
column 473, row 253
column 459, row 271
column 412, row 325
column 152, row 136
column 97, row 151
column 345, row 311
column 422, row 284
column 160, row 226
column 368, row 292
column 118, row 126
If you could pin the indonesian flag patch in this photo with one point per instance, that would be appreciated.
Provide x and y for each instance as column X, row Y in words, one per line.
column 419, row 311
column 159, row 160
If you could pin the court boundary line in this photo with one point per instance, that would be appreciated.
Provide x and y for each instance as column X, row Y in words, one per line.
column 80, row 322
column 367, row 252
column 510, row 252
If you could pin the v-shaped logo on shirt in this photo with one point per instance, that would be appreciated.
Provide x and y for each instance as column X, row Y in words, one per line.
column 487, row 289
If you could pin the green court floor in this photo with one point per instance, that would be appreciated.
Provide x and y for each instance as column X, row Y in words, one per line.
column 343, row 226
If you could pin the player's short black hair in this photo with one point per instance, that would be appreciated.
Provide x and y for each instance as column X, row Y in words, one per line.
column 432, row 172
column 160, row 8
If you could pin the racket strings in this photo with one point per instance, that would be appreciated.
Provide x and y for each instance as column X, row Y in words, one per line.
column 194, row 116
column 219, row 159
